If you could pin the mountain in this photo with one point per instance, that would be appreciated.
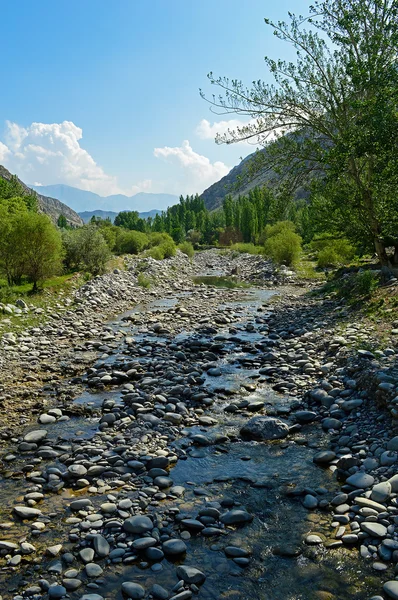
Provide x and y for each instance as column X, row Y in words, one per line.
column 213, row 196
column 82, row 201
column 50, row 206
column 104, row 214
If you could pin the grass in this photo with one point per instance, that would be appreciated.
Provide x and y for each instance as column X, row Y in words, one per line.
column 305, row 269
column 50, row 297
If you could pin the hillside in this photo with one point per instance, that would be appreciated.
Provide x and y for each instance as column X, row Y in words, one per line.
column 214, row 195
column 83, row 201
column 51, row 206
column 104, row 214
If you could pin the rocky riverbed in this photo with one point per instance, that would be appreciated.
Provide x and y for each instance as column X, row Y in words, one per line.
column 187, row 441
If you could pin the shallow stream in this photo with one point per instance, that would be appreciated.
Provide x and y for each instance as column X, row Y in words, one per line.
column 261, row 476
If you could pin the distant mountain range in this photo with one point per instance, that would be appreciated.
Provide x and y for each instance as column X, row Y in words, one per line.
column 51, row 206
column 82, row 201
column 108, row 214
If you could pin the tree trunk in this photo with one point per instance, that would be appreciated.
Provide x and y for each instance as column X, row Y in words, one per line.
column 381, row 252
column 395, row 257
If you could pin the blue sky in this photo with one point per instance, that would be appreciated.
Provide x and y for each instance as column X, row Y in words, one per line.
column 104, row 95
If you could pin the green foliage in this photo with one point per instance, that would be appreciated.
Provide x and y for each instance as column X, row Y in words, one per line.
column 156, row 252
column 187, row 248
column 62, row 222
column 282, row 243
column 85, row 248
column 366, row 282
column 130, row 242
column 334, row 109
column 131, row 220
column 332, row 251
column 30, row 246
column 247, row 248
column 169, row 249
column 143, row 280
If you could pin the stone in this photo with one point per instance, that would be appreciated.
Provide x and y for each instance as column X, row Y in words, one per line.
column 56, row 591
column 264, row 428
column 190, row 575
column 25, row 512
column 324, row 457
column 159, row 592
column 101, row 546
column 36, row 436
column 376, row 530
column 381, row 491
column 174, row 547
column 236, row 516
column 138, row 524
column 391, row 589
column 305, row 416
column 133, row 590
column 93, row 570
column 310, row 502
column 360, row 480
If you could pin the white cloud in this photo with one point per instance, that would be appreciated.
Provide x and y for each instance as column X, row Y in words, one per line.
column 51, row 153
column 208, row 131
column 4, row 151
column 142, row 186
column 202, row 172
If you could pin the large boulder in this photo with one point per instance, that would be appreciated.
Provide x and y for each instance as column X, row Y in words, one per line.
column 264, row 428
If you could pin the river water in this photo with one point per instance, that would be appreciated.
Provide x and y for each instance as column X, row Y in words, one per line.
column 262, row 477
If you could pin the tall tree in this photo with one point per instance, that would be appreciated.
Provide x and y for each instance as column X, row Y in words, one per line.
column 333, row 112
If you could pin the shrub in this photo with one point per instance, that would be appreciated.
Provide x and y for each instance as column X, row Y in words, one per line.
column 156, row 252
column 169, row 249
column 187, row 248
column 131, row 242
column 327, row 258
column 143, row 280
column 366, row 282
column 86, row 248
column 157, row 239
column 332, row 251
column 282, row 243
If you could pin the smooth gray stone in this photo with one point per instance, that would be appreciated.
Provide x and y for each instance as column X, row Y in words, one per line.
column 138, row 524
column 190, row 575
column 174, row 547
column 133, row 590
column 236, row 516
column 101, row 546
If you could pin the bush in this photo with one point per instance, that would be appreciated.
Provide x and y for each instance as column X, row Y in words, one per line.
column 282, row 243
column 157, row 239
column 187, row 248
column 143, row 280
column 327, row 258
column 131, row 242
column 86, row 248
column 169, row 249
column 332, row 251
column 366, row 282
column 156, row 252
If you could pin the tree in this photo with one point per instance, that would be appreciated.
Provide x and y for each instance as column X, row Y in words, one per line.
column 333, row 112
column 39, row 244
column 62, row 222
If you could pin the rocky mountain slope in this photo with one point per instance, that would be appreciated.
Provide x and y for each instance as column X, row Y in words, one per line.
column 214, row 195
column 51, row 206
